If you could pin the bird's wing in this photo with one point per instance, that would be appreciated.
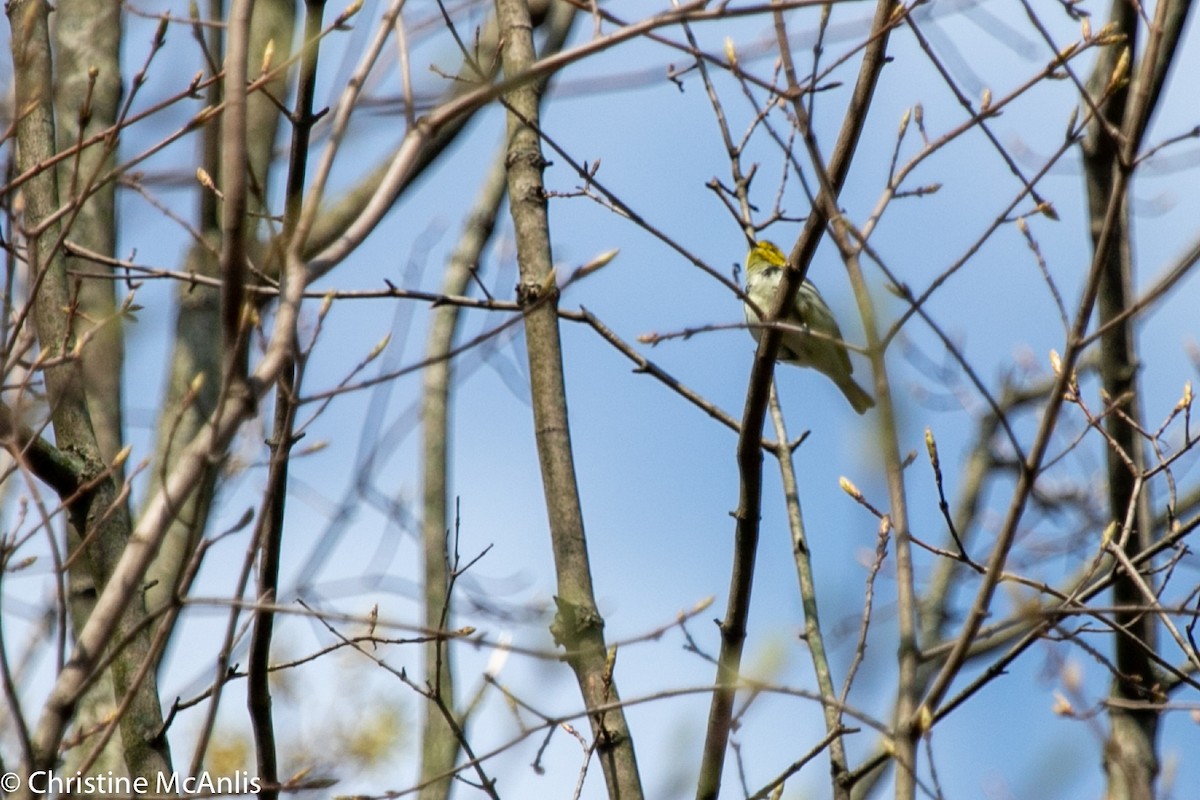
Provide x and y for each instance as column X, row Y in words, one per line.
column 819, row 318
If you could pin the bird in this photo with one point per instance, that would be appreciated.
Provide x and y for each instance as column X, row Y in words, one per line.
column 825, row 352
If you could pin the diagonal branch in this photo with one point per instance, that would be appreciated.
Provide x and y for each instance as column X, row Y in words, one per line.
column 578, row 625
column 749, row 455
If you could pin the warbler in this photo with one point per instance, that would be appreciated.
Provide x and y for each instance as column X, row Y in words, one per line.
column 826, row 352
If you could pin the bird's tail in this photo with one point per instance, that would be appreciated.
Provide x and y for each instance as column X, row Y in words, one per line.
column 857, row 396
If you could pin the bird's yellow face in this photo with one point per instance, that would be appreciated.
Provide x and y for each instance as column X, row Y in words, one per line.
column 764, row 255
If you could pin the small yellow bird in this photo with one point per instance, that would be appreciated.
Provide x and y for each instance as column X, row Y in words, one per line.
column 826, row 352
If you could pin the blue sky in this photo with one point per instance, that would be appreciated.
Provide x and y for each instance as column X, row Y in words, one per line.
column 657, row 477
